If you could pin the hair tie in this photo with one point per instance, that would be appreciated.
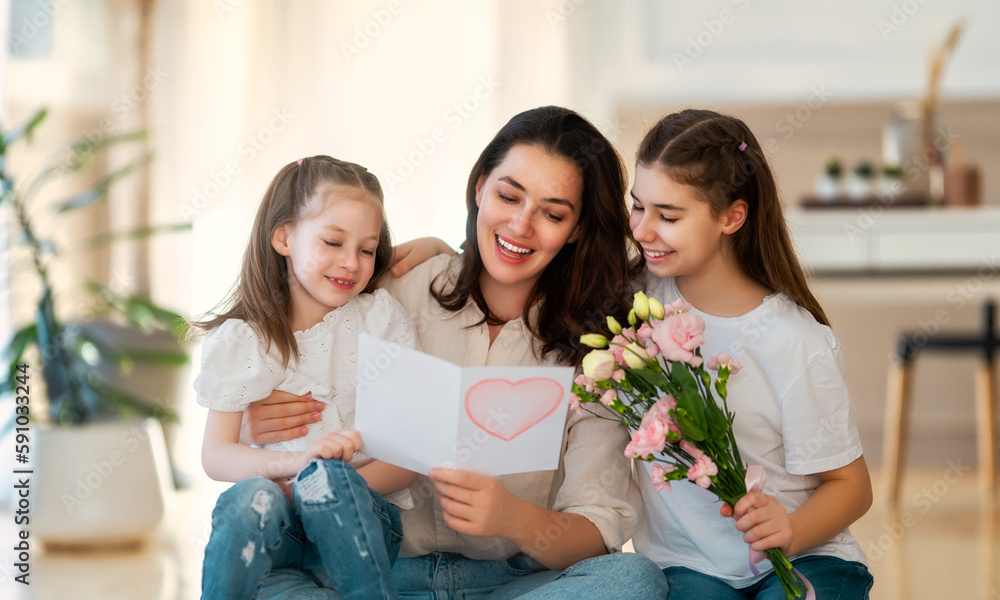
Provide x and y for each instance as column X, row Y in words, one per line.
column 300, row 160
column 743, row 146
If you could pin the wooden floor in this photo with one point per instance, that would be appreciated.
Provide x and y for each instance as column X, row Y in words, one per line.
column 941, row 544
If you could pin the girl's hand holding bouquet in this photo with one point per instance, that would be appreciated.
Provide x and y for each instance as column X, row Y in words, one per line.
column 652, row 377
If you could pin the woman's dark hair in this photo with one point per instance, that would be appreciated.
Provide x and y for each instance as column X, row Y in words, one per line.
column 702, row 149
column 262, row 296
column 588, row 278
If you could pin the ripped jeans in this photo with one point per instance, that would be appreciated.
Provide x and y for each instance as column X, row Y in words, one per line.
column 342, row 533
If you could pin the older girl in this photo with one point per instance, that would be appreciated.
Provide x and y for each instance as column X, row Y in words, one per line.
column 707, row 216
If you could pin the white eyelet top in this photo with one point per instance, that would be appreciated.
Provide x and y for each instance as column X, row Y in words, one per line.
column 237, row 368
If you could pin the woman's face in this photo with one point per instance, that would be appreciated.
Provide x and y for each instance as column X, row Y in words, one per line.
column 529, row 208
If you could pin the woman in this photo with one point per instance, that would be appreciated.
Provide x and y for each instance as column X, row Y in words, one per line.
column 546, row 256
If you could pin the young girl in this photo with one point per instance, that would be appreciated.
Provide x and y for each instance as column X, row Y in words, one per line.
column 707, row 216
column 319, row 241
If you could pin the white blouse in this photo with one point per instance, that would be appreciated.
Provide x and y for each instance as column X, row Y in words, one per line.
column 237, row 368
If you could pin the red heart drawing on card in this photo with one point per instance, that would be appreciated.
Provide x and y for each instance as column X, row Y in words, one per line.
column 506, row 410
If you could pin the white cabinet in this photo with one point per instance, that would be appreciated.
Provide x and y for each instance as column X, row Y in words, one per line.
column 873, row 240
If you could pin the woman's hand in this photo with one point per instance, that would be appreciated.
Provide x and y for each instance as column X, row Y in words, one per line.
column 279, row 417
column 414, row 252
column 336, row 445
column 763, row 521
column 477, row 505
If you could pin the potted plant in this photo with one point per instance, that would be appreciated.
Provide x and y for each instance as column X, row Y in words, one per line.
column 861, row 183
column 890, row 183
column 99, row 462
column 829, row 185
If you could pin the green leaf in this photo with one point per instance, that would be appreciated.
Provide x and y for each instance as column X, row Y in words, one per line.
column 690, row 397
column 689, row 426
column 100, row 189
column 134, row 234
column 25, row 130
column 55, row 363
column 163, row 358
column 718, row 423
column 657, row 380
column 15, row 348
column 78, row 156
column 142, row 313
column 13, row 354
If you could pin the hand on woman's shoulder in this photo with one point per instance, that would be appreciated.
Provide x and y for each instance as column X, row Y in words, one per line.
column 417, row 281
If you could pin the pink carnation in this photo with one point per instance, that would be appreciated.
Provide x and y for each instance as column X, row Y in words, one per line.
column 677, row 306
column 691, row 449
column 645, row 332
column 678, row 336
column 618, row 375
column 608, row 397
column 649, row 438
column 659, row 471
column 585, row 382
column 661, row 412
column 723, row 359
column 702, row 471
column 574, row 403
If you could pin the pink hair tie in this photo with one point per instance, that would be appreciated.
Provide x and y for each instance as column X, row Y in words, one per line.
column 743, row 146
column 300, row 160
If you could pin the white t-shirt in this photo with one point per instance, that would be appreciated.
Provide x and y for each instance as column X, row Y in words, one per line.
column 237, row 368
column 794, row 416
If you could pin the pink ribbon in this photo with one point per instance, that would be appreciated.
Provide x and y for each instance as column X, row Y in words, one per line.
column 755, row 480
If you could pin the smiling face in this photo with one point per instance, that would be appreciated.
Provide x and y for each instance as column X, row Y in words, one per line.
column 529, row 207
column 679, row 235
column 330, row 252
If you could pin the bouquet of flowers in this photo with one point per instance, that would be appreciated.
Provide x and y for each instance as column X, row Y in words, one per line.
column 651, row 377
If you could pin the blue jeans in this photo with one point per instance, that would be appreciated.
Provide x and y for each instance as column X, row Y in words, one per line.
column 443, row 576
column 341, row 533
column 833, row 579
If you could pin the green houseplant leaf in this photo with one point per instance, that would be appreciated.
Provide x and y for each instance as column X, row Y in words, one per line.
column 77, row 390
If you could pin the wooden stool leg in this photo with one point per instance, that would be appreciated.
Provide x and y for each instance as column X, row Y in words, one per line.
column 895, row 430
column 986, row 432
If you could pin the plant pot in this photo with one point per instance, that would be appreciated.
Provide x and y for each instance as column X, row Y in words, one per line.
column 158, row 385
column 829, row 188
column 859, row 188
column 890, row 187
column 99, row 484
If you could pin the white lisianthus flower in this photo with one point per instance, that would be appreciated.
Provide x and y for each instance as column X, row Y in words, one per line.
column 636, row 356
column 599, row 365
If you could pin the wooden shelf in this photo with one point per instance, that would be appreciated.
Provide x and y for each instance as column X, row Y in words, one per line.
column 841, row 202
